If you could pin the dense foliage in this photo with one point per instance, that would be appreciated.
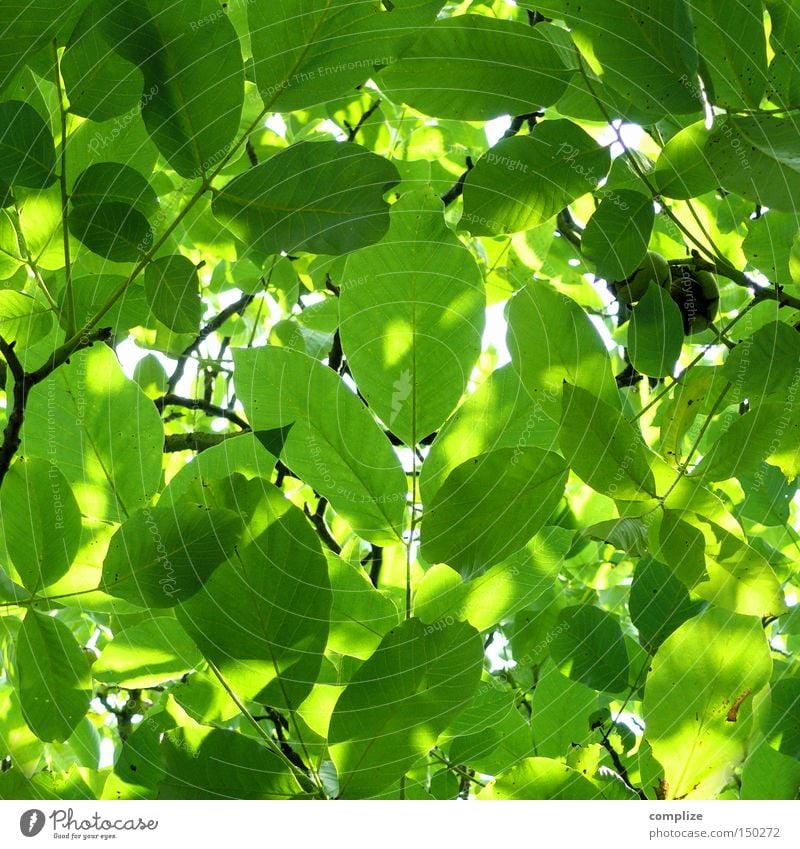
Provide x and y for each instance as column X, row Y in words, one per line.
column 399, row 399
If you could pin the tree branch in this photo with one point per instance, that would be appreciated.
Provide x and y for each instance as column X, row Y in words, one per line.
column 209, row 409
column 352, row 131
column 318, row 521
column 214, row 324
column 457, row 190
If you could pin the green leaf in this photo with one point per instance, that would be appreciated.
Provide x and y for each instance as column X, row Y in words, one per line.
column 523, row 181
column 767, row 774
column 655, row 333
column 305, row 53
column 192, row 107
column 110, row 181
column 605, row 449
column 217, row 763
column 588, row 647
column 769, row 431
column 551, row 340
column 27, row 27
column 617, row 235
column 27, row 149
column 113, row 230
column 412, row 315
column 490, row 506
column 52, row 677
column 99, row 83
column 334, row 444
column 755, row 365
column 360, row 615
column 501, row 413
column 526, row 579
column 147, row 654
column 22, row 319
column 757, row 158
column 561, row 707
column 162, row 556
column 172, row 290
column 768, row 244
column 734, row 50
column 698, row 699
column 784, row 76
column 109, row 437
column 399, row 702
column 10, row 259
column 474, row 68
column 322, row 197
column 41, row 522
column 644, row 50
column 783, row 725
column 658, row 604
column 263, row 624
column 541, row 778
column 682, row 170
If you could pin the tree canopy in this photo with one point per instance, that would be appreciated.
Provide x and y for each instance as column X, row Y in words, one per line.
column 399, row 399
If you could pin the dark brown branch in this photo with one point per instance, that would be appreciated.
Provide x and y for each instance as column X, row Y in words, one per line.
column 200, row 404
column 568, row 228
column 198, row 441
column 23, row 384
column 375, row 558
column 457, row 190
column 213, row 325
column 620, row 768
column 352, row 131
column 529, row 118
column 318, row 521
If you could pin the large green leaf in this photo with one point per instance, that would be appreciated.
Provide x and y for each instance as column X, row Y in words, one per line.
column 99, row 83
column 490, row 506
column 588, row 647
column 474, row 68
column 502, row 413
column 263, row 616
column 323, row 197
column 682, row 170
column 217, row 763
column 784, row 75
column 645, row 49
column 307, row 52
column 523, row 181
column 617, row 235
column 108, row 439
column 28, row 26
column 52, row 677
column 23, row 319
column 41, row 522
column 110, row 181
column 163, row 555
column 27, row 150
column 154, row 650
column 658, row 603
column 655, row 333
column 552, row 340
column 604, row 448
column 412, row 315
column 190, row 57
column 734, row 50
column 399, row 702
column 541, row 778
column 698, row 700
column 757, row 158
column 113, row 230
column 334, row 444
column 172, row 290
